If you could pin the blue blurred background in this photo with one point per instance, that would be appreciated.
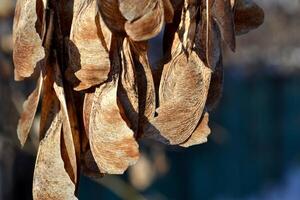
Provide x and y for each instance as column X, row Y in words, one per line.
column 253, row 152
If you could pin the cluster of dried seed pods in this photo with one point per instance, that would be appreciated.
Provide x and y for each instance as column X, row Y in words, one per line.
column 99, row 92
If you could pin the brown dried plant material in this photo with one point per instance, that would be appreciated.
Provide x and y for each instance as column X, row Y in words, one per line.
column 112, row 142
column 223, row 15
column 112, row 16
column 128, row 88
column 168, row 11
column 67, row 130
column 216, row 16
column 147, row 26
column 247, row 16
column 145, row 81
column 28, row 114
column 183, row 90
column 100, row 47
column 200, row 134
column 135, row 9
column 89, row 45
column 50, row 180
column 216, row 62
column 28, row 50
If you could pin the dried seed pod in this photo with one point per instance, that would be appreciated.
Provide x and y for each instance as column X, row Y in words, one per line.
column 168, row 11
column 247, row 16
column 200, row 134
column 183, row 90
column 135, row 9
column 69, row 155
column 215, row 59
column 112, row 16
column 89, row 46
column 112, row 142
column 50, row 180
column 28, row 50
column 146, row 88
column 28, row 114
column 128, row 89
column 223, row 15
column 147, row 26
column 216, row 13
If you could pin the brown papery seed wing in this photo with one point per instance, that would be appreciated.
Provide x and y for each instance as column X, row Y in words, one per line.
column 223, row 14
column 200, row 134
column 28, row 50
column 112, row 16
column 146, row 89
column 148, row 26
column 51, row 181
column 68, row 147
column 112, row 142
column 89, row 44
column 29, row 110
column 183, row 90
column 134, row 9
column 248, row 16
column 128, row 89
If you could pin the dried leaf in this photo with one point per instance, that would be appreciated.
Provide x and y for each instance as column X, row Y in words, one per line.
column 50, row 180
column 88, row 49
column 29, row 110
column 28, row 50
column 147, row 26
column 183, row 90
column 200, row 134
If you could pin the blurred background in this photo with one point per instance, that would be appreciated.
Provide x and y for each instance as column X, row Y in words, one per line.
column 253, row 152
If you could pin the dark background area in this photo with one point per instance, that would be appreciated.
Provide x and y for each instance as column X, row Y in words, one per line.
column 253, row 152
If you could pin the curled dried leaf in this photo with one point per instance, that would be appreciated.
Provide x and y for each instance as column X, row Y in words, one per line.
column 28, row 50
column 50, row 180
column 28, row 114
column 89, row 44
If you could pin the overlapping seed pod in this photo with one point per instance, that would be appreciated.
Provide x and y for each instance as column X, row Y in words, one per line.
column 99, row 94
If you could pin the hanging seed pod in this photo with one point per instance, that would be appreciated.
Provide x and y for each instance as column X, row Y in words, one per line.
column 28, row 50
column 112, row 142
column 89, row 46
column 98, row 91
column 247, row 16
column 183, row 87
